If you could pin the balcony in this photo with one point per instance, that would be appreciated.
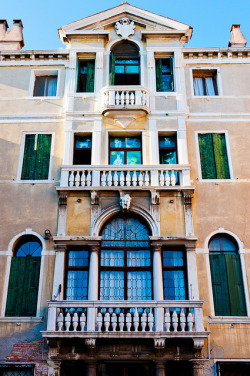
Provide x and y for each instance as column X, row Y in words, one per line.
column 127, row 177
column 127, row 319
column 117, row 99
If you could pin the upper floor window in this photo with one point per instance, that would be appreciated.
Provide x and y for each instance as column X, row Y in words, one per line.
column 24, row 278
column 164, row 74
column 226, row 274
column 125, row 150
column 82, row 150
column 36, row 158
column 77, row 272
column 205, row 82
column 213, row 156
column 124, row 65
column 174, row 274
column 45, row 86
column 86, row 76
column 168, row 150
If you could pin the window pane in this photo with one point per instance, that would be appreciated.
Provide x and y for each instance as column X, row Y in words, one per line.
column 117, row 158
column 220, row 243
column 172, row 258
column 133, row 157
column 112, row 285
column 78, row 258
column 112, row 258
column 138, row 258
column 117, row 142
column 174, row 285
column 139, row 286
column 167, row 82
column 119, row 69
column 51, row 85
column 132, row 69
column 83, row 143
column 77, row 285
column 132, row 142
column 39, row 86
column 198, row 86
column 167, row 142
column 31, row 248
column 169, row 158
column 210, row 86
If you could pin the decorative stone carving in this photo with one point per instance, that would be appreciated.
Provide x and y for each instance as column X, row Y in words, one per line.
column 159, row 343
column 90, row 343
column 155, row 198
column 125, row 28
column 198, row 343
column 125, row 202
column 94, row 198
column 63, row 199
column 187, row 198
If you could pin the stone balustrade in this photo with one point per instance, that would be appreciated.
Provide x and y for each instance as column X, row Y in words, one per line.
column 125, row 176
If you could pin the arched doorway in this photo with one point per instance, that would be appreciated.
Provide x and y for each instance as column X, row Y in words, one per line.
column 125, row 260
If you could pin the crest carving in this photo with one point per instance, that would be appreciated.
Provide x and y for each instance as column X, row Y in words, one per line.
column 125, row 28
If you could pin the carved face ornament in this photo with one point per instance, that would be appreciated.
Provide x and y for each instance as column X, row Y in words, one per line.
column 125, row 28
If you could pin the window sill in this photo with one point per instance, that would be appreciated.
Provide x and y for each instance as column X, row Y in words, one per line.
column 217, row 180
column 36, row 181
column 228, row 319
column 45, row 97
column 82, row 95
column 21, row 319
column 206, row 96
column 165, row 93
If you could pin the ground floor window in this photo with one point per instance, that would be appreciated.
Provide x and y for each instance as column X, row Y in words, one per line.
column 128, row 369
column 16, row 370
column 233, row 369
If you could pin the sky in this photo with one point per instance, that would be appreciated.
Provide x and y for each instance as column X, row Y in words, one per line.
column 210, row 19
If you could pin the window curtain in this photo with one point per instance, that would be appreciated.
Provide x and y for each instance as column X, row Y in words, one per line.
column 159, row 81
column 198, row 86
column 90, row 80
column 112, row 69
column 139, row 286
column 209, row 82
column 50, row 87
column 112, row 285
column 77, row 285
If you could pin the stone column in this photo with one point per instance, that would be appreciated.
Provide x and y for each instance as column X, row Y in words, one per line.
column 158, row 287
column 160, row 369
column 59, row 272
column 197, row 368
column 54, row 367
column 93, row 286
column 91, row 367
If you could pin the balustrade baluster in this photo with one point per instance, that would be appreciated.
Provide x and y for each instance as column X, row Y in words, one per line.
column 150, row 321
column 128, row 321
column 182, row 320
column 122, row 179
column 173, row 178
column 82, row 321
column 136, row 320
column 167, row 179
column 167, row 320
column 122, row 98
column 121, row 321
column 161, row 179
column 99, row 321
column 190, row 321
column 75, row 321
column 71, row 178
column 128, row 179
column 59, row 321
column 109, row 179
column 77, row 179
column 127, row 97
column 115, row 179
column 103, row 179
column 83, row 179
column 114, row 321
column 144, row 321
column 140, row 179
column 106, row 98
column 146, row 179
column 175, row 320
column 134, row 179
column 132, row 98
column 67, row 322
column 88, row 179
column 117, row 98
column 107, row 321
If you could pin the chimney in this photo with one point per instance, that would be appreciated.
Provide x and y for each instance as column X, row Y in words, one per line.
column 237, row 38
column 11, row 40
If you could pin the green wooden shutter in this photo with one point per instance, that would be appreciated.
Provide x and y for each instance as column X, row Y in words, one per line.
column 220, row 155
column 112, row 69
column 43, row 157
column 235, row 284
column 29, row 157
column 220, row 285
column 31, row 284
column 172, row 73
column 90, row 81
column 159, row 82
column 15, row 288
column 208, row 167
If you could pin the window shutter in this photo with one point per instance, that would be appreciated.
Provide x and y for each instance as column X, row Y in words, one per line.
column 43, row 156
column 208, row 167
column 172, row 73
column 90, row 82
column 235, row 283
column 112, row 69
column 29, row 157
column 31, row 283
column 159, row 82
column 220, row 155
column 15, row 288
column 220, row 286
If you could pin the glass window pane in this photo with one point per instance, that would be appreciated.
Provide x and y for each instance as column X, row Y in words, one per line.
column 174, row 285
column 40, row 83
column 132, row 142
column 167, row 142
column 119, row 69
column 51, row 86
column 117, row 142
column 138, row 258
column 139, row 286
column 210, row 85
column 169, row 158
column 132, row 69
column 117, row 158
column 222, row 244
column 198, row 86
column 112, row 285
column 78, row 258
column 29, row 248
column 83, row 143
column 112, row 258
column 167, row 82
column 77, row 285
column 126, row 61
column 133, row 157
column 172, row 258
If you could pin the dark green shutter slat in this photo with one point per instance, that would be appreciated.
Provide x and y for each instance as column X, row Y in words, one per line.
column 220, row 155
column 235, row 284
column 172, row 73
column 43, row 156
column 159, row 82
column 220, row 285
column 29, row 157
column 90, row 81
column 15, row 288
column 208, row 167
column 112, row 69
column 32, row 272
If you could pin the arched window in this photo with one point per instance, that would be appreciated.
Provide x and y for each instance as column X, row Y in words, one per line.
column 226, row 274
column 24, row 277
column 124, row 64
column 125, row 261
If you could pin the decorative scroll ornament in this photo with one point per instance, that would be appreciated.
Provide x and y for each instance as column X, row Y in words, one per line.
column 125, row 28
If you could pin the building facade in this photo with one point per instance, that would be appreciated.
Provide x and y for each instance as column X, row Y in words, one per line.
column 125, row 244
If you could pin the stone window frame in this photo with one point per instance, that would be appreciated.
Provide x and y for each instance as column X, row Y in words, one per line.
column 44, row 72
column 218, row 81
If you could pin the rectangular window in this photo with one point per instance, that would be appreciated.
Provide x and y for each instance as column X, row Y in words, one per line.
column 205, row 82
column 168, row 150
column 36, row 158
column 233, row 369
column 125, row 151
column 213, row 156
column 82, row 150
column 164, row 74
column 16, row 370
column 86, row 76
column 174, row 278
column 45, row 86
column 77, row 272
